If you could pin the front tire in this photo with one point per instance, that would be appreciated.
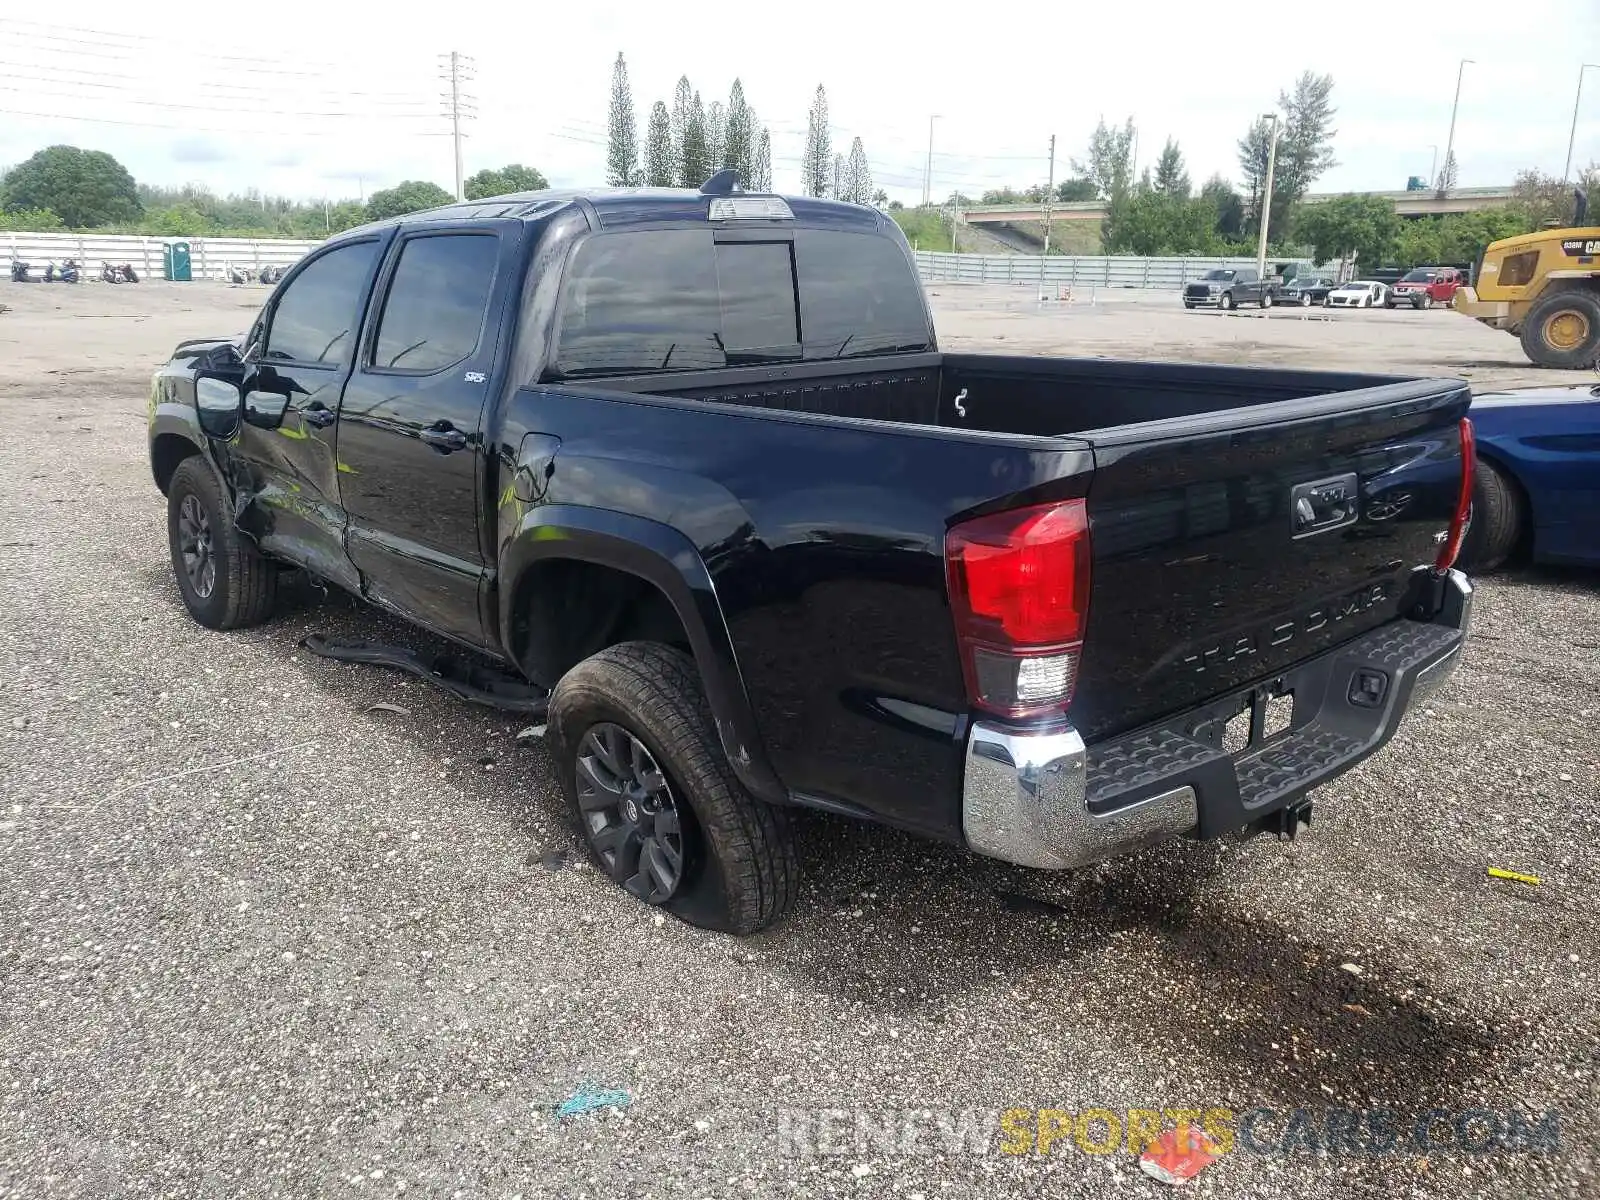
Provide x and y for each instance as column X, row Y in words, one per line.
column 661, row 811
column 224, row 580
column 1497, row 520
column 1225, row 301
column 1562, row 330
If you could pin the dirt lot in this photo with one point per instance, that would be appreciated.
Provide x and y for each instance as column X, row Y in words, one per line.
column 259, row 938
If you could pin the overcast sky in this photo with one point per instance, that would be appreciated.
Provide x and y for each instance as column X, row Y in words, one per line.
column 311, row 100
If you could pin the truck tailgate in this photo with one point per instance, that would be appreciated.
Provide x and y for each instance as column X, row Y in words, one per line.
column 1230, row 546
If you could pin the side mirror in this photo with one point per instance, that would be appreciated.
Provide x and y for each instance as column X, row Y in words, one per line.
column 265, row 410
column 219, row 403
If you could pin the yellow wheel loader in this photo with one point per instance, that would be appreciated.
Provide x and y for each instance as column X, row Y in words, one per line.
column 1543, row 288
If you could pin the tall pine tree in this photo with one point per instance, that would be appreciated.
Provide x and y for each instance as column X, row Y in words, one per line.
column 817, row 164
column 682, row 101
column 858, row 187
column 660, row 168
column 761, row 166
column 716, row 133
column 696, row 164
column 1305, row 146
column 738, row 146
column 622, row 134
column 1171, row 179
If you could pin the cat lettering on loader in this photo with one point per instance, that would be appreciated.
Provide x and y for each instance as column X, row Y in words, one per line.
column 1543, row 288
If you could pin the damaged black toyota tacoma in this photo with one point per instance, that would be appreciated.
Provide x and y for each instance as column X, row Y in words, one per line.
column 693, row 464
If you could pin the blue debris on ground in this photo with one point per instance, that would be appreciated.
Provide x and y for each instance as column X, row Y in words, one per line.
column 589, row 1098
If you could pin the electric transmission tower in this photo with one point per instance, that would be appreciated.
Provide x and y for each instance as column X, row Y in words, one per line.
column 457, row 70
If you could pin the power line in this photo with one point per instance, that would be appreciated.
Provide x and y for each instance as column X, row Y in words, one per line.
column 255, row 111
column 188, row 127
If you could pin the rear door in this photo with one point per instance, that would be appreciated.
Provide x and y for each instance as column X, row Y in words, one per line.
column 300, row 356
column 1233, row 545
column 411, row 449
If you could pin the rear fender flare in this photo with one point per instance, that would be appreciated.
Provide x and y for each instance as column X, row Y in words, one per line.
column 660, row 555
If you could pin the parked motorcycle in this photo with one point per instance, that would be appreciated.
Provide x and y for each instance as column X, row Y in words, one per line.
column 50, row 271
column 111, row 273
column 21, row 272
column 237, row 275
column 70, row 271
column 128, row 275
column 271, row 274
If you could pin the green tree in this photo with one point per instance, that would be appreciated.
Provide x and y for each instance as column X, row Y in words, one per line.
column 761, row 168
column 622, row 132
column 1227, row 205
column 716, row 135
column 1448, row 171
column 660, row 168
column 413, row 195
column 29, row 220
column 858, row 187
column 504, row 182
column 1110, row 167
column 1155, row 222
column 1254, row 148
column 682, row 102
column 83, row 187
column 1305, row 146
column 1077, row 190
column 1544, row 201
column 816, row 165
column 1361, row 227
column 738, row 142
column 696, row 161
column 1171, row 179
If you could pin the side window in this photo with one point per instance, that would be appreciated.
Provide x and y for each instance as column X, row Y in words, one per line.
column 433, row 314
column 314, row 321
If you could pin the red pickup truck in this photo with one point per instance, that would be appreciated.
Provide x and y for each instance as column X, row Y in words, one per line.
column 1426, row 286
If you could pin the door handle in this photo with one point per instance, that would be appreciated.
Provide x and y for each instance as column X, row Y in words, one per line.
column 320, row 417
column 445, row 439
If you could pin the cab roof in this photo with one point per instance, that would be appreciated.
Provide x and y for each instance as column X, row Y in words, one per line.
column 613, row 207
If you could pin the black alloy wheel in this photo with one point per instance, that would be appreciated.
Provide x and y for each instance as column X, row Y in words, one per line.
column 629, row 813
column 194, row 544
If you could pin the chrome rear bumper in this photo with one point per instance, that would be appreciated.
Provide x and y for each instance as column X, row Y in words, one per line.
column 1045, row 800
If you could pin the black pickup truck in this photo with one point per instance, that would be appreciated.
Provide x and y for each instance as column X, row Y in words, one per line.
column 1229, row 287
column 693, row 463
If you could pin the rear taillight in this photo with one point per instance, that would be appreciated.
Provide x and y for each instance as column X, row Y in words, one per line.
column 1019, row 589
column 1458, row 523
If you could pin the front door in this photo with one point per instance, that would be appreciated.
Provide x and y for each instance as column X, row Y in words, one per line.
column 411, row 447
column 283, row 461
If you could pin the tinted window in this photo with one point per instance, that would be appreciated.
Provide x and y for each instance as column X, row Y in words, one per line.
column 640, row 302
column 1218, row 274
column 1420, row 275
column 755, row 283
column 314, row 321
column 678, row 300
column 433, row 316
column 858, row 295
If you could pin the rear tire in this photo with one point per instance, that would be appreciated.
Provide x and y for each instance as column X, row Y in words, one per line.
column 1562, row 330
column 1305, row 299
column 1497, row 520
column 1266, row 299
column 225, row 582
column 738, row 868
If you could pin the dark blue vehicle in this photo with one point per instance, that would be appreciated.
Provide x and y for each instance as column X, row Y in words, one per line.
column 690, row 470
column 1537, row 488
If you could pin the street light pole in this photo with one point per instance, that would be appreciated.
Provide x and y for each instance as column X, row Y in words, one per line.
column 927, row 178
column 1450, row 142
column 1049, row 193
column 1433, row 168
column 1566, row 171
column 1266, row 197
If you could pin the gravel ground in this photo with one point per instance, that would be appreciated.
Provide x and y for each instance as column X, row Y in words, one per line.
column 262, row 939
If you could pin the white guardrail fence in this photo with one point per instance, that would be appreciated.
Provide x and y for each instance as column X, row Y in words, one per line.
column 209, row 258
column 1062, row 270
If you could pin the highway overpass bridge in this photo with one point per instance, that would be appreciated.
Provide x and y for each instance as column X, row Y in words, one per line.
column 1407, row 204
